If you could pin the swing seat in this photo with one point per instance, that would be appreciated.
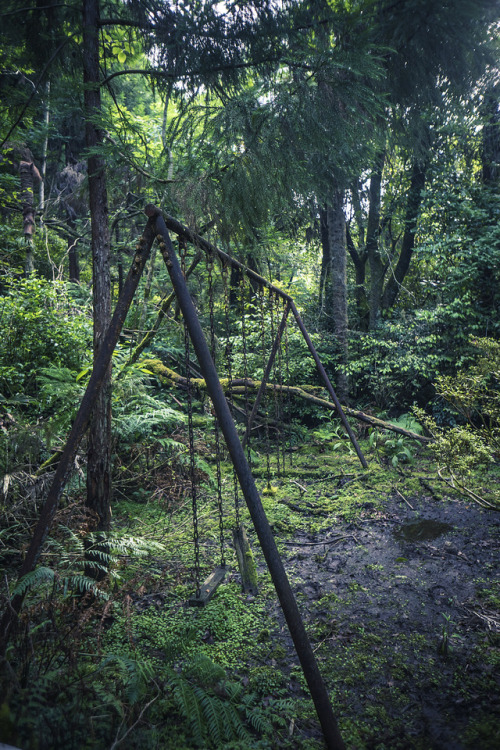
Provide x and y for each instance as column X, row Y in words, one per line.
column 208, row 588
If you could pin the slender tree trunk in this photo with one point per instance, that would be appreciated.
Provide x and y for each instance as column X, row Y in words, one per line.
column 99, row 452
column 359, row 260
column 147, row 289
column 487, row 288
column 28, row 174
column 338, row 279
column 45, row 146
column 377, row 266
column 414, row 201
column 73, row 263
column 325, row 262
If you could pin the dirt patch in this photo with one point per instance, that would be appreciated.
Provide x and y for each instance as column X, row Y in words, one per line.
column 402, row 606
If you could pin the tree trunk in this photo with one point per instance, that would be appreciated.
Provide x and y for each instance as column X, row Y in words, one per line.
column 417, row 184
column 73, row 263
column 490, row 152
column 99, row 451
column 28, row 173
column 359, row 260
column 324, row 288
column 338, row 280
column 45, row 146
column 377, row 266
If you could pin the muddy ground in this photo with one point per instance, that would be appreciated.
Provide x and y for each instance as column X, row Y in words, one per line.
column 402, row 606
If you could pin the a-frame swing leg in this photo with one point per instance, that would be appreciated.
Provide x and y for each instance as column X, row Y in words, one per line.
column 317, row 687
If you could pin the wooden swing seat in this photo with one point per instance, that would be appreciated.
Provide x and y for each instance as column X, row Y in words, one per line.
column 208, row 588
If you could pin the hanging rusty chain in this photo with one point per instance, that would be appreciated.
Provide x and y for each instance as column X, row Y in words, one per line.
column 192, row 466
column 210, row 266
column 275, row 393
column 245, row 358
column 229, row 356
column 263, row 348
column 287, row 370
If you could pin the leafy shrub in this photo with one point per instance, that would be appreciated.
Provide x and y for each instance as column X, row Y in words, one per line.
column 397, row 365
column 473, row 398
column 39, row 327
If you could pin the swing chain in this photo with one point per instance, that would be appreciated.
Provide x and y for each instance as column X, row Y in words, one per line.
column 275, row 392
column 280, row 391
column 192, row 467
column 245, row 358
column 263, row 348
column 287, row 372
column 229, row 356
column 210, row 266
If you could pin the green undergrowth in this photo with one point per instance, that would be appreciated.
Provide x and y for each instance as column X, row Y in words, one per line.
column 143, row 669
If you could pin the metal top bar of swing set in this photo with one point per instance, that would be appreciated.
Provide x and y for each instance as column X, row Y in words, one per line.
column 203, row 244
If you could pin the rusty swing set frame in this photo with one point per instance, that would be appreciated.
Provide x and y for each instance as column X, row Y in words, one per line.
column 157, row 227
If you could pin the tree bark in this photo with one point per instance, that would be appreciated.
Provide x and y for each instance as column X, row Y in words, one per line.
column 28, row 174
column 377, row 266
column 73, row 263
column 324, row 287
column 359, row 261
column 417, row 185
column 490, row 151
column 99, row 451
column 338, row 280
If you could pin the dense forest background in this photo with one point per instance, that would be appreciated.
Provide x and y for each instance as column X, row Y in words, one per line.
column 346, row 150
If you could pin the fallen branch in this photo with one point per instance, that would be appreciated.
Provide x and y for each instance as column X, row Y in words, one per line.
column 398, row 493
column 458, row 487
column 318, row 544
column 238, row 386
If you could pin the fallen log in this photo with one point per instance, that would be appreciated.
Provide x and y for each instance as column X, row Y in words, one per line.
column 238, row 386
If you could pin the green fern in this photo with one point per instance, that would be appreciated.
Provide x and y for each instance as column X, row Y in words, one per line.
column 34, row 579
column 38, row 579
column 132, row 675
column 212, row 720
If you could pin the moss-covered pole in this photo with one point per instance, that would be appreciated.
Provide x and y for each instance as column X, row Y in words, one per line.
column 305, row 653
column 78, row 429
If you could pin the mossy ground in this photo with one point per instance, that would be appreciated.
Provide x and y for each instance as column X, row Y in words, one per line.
column 406, row 632
column 396, row 626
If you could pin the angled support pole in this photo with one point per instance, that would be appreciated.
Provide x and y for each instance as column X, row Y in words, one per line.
column 266, row 374
column 78, row 429
column 207, row 247
column 289, row 606
column 329, row 386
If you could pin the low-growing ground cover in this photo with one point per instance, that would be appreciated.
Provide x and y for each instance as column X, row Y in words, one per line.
column 396, row 578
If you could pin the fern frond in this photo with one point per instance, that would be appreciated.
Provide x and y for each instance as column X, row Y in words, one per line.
column 83, row 584
column 212, row 714
column 33, row 579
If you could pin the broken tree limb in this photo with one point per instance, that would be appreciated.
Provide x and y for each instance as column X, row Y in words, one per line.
column 238, row 385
